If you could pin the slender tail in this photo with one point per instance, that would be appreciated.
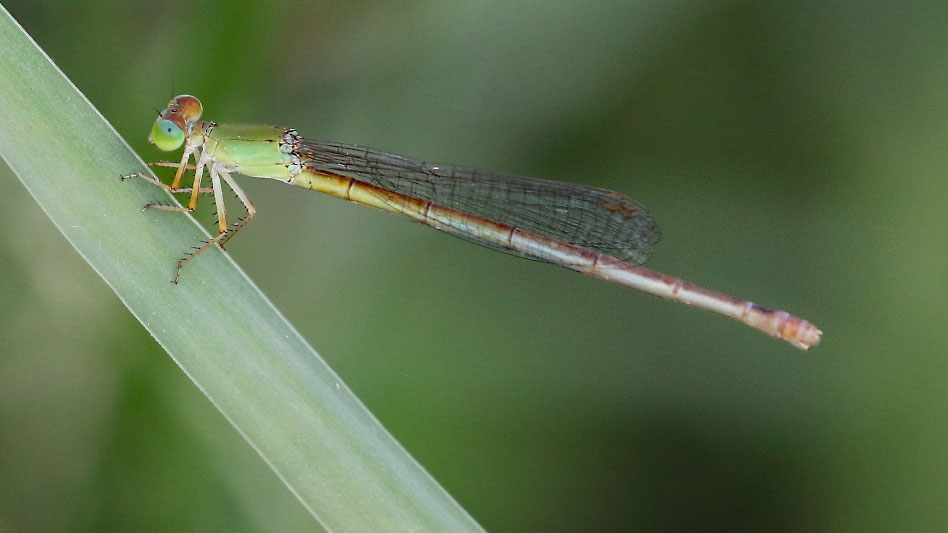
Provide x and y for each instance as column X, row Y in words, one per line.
column 776, row 323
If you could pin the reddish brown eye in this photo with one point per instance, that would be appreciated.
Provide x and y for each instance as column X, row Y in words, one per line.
column 188, row 106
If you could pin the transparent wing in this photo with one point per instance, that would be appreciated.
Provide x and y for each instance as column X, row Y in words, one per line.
column 598, row 219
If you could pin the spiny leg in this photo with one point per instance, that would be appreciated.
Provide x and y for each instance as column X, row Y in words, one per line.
column 188, row 151
column 170, row 164
column 194, row 254
column 242, row 196
column 218, row 199
column 176, row 183
column 221, row 215
column 195, row 187
column 216, row 173
column 192, row 204
column 159, row 183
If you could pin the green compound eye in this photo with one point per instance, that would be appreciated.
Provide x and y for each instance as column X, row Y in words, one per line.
column 166, row 135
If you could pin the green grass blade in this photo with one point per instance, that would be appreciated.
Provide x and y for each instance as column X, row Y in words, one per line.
column 249, row 361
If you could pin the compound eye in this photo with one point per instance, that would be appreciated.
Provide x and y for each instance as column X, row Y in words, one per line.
column 166, row 135
column 189, row 107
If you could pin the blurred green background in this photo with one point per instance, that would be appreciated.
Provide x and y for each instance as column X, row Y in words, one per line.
column 793, row 154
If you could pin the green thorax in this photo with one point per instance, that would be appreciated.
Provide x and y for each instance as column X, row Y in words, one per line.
column 252, row 150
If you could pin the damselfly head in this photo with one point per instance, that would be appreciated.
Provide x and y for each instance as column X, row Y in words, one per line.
column 174, row 122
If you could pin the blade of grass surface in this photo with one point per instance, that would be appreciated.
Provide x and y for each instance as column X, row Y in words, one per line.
column 216, row 325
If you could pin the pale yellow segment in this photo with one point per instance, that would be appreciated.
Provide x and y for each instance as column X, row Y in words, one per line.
column 337, row 186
